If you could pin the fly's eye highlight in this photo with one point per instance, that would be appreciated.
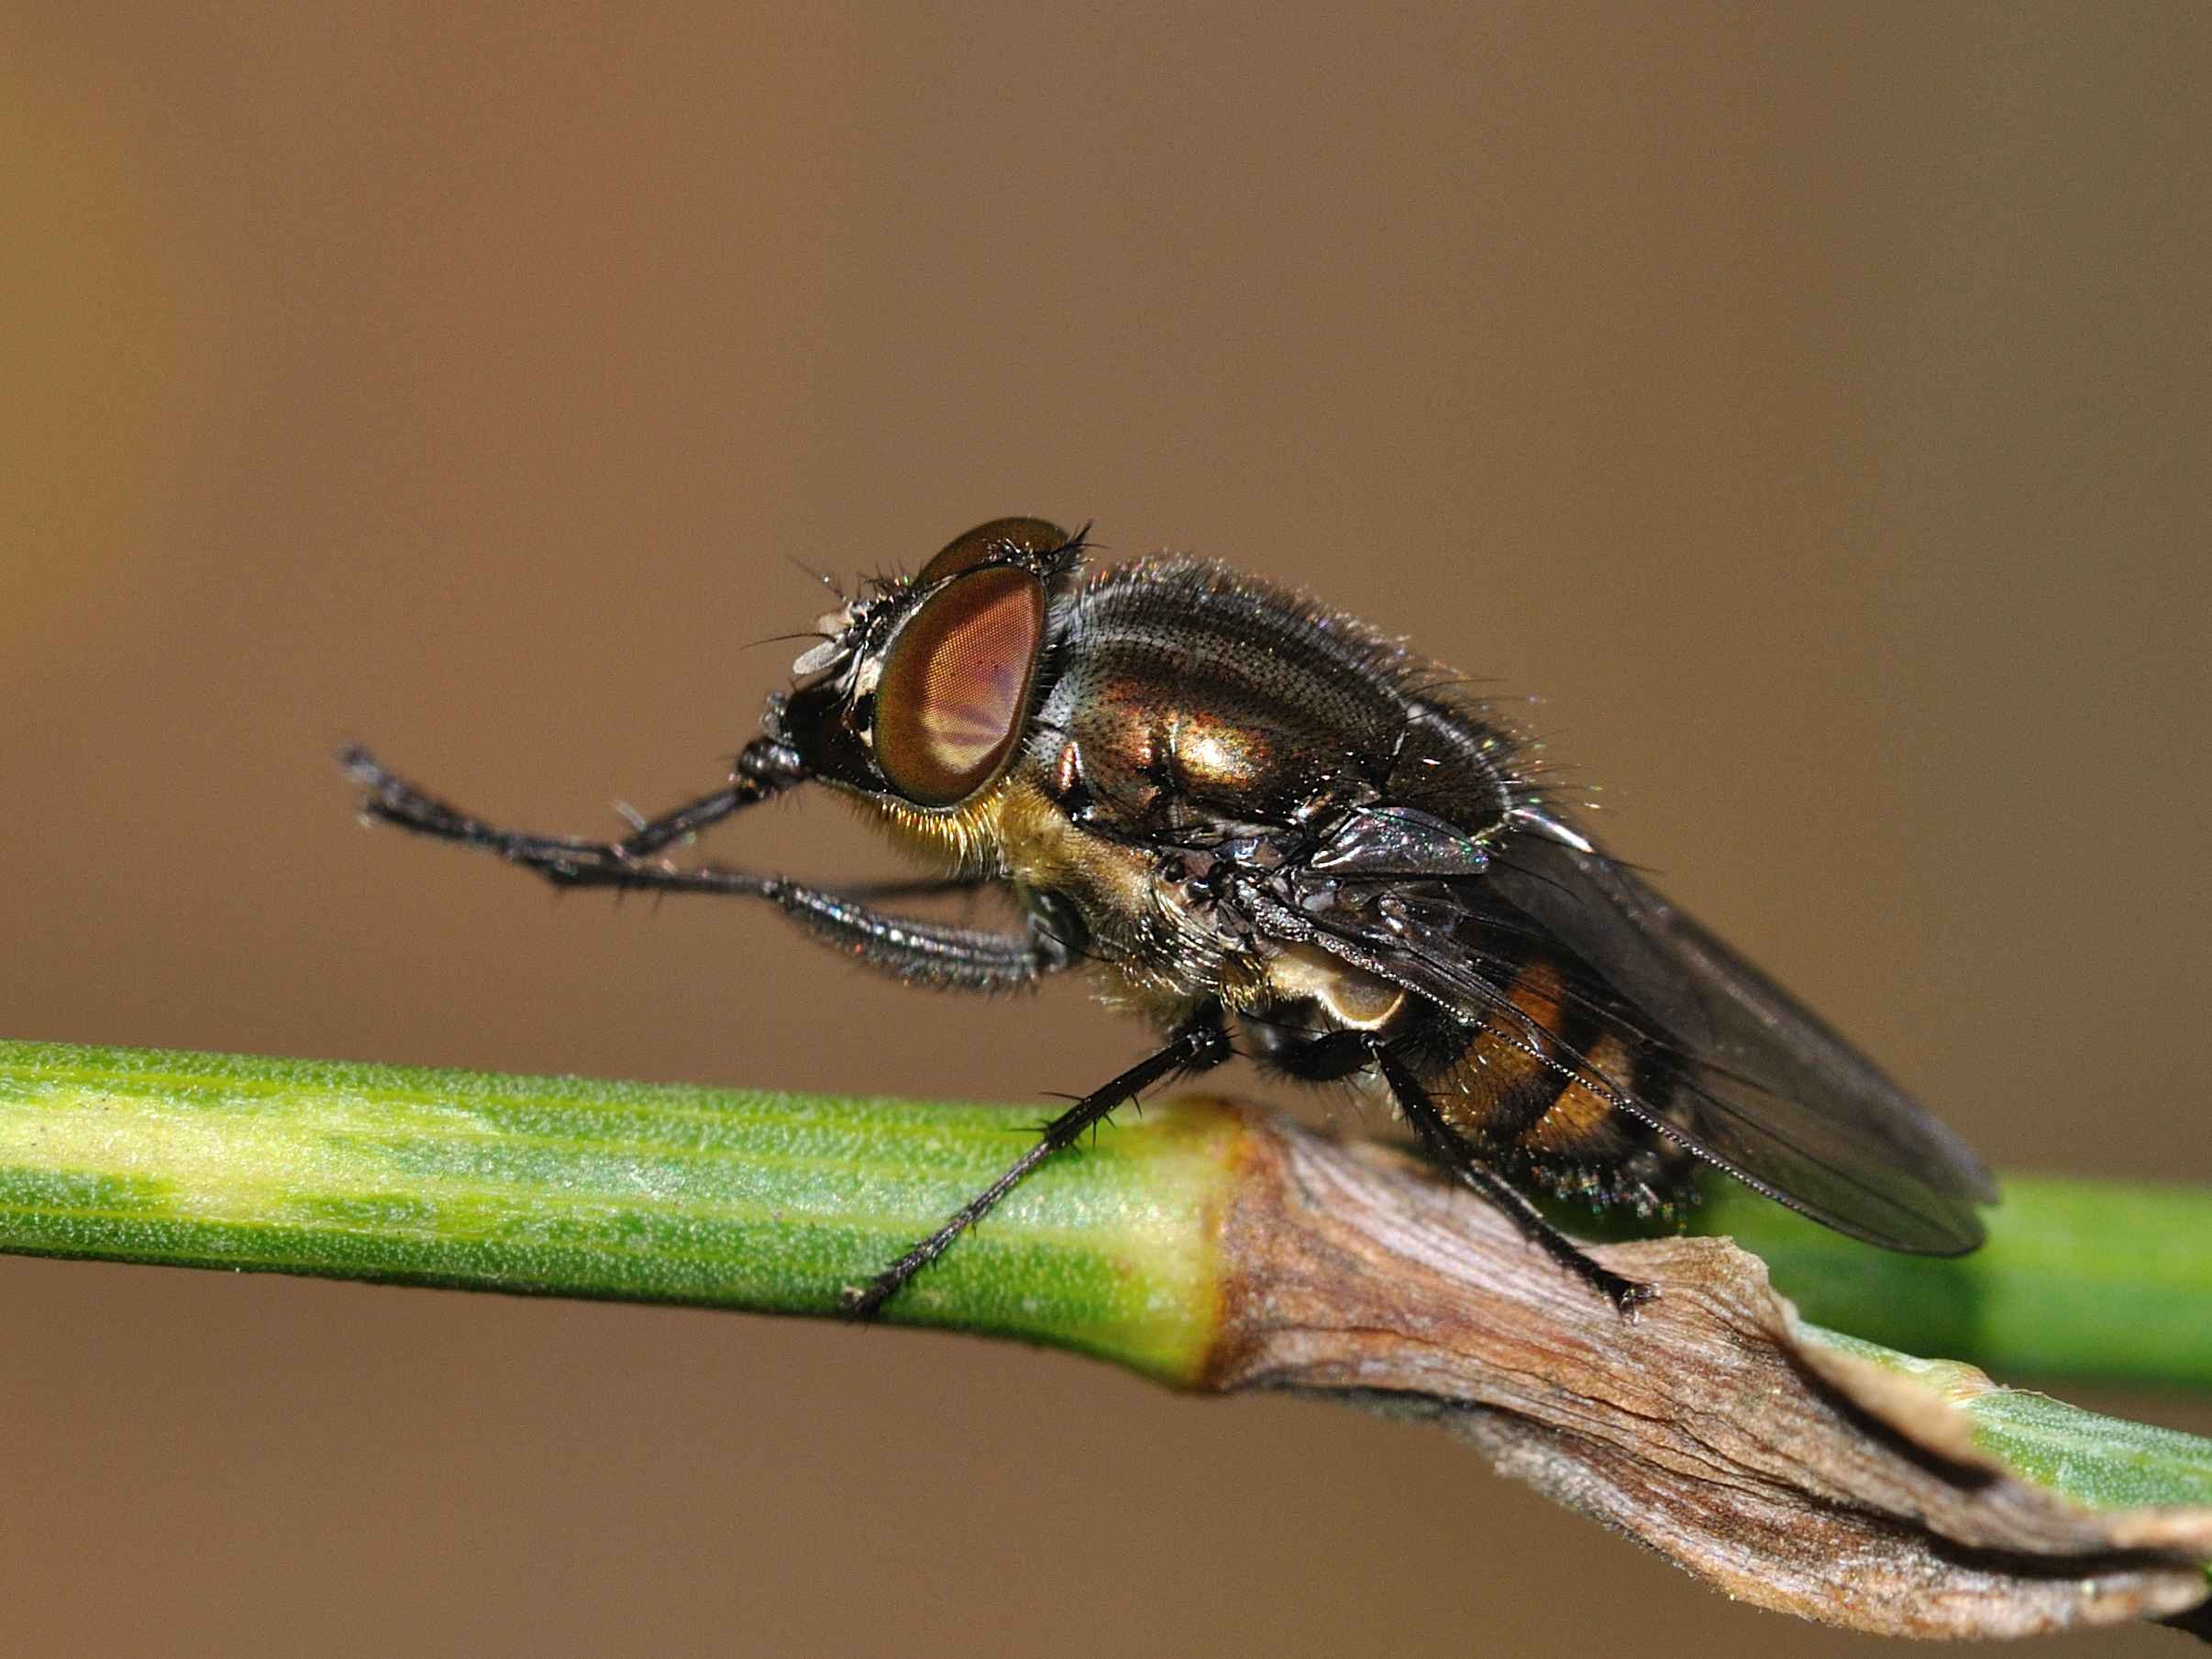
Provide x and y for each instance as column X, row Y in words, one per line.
column 989, row 542
column 956, row 682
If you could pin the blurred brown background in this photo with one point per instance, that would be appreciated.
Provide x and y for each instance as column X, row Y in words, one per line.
column 1814, row 410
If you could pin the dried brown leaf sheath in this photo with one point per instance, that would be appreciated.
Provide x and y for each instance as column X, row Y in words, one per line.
column 1778, row 1469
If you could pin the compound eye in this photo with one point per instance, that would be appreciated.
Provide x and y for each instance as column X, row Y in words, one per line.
column 955, row 685
column 990, row 541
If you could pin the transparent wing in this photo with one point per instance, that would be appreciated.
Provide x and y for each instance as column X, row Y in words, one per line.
column 1761, row 1086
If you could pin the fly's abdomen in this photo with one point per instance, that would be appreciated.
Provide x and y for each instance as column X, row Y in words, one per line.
column 1537, row 1083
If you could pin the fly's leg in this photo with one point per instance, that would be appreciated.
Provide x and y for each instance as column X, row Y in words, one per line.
column 764, row 767
column 1451, row 1149
column 1339, row 1054
column 1198, row 1046
column 927, row 953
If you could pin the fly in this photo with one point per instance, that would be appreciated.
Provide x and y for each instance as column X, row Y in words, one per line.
column 1240, row 810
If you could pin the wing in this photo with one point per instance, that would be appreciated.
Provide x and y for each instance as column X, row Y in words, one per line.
column 1762, row 1085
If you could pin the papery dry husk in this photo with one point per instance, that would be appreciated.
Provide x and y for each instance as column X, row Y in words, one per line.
column 1779, row 1469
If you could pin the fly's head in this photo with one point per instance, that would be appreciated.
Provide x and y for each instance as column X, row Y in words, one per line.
column 918, row 692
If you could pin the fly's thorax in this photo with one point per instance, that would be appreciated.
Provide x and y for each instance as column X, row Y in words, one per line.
column 1161, row 954
column 1182, row 685
column 1041, row 848
column 1189, row 692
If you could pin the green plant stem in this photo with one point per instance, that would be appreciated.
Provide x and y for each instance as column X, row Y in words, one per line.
column 2102, row 1280
column 566, row 1187
column 772, row 1202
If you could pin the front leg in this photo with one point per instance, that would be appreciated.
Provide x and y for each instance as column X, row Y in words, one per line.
column 764, row 767
column 926, row 953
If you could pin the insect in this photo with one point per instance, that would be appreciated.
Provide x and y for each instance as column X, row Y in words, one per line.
column 1238, row 810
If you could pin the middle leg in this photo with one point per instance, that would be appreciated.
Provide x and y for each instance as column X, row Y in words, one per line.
column 1200, row 1045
